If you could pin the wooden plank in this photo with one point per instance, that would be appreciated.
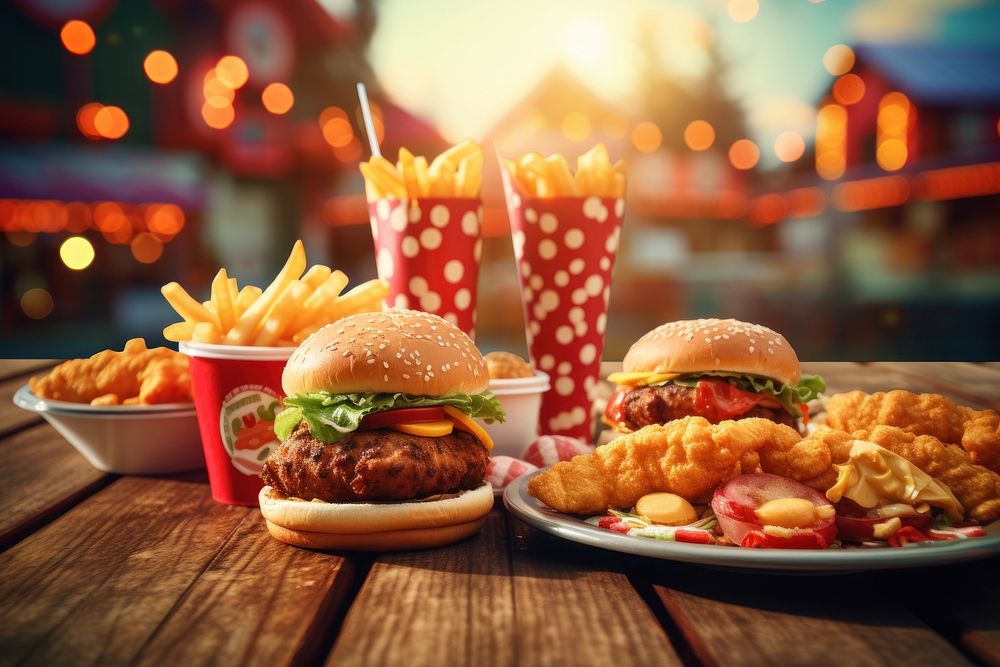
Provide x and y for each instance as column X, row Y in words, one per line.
column 574, row 606
column 10, row 368
column 753, row 619
column 479, row 603
column 42, row 475
column 447, row 606
column 93, row 586
column 970, row 384
column 13, row 418
column 963, row 604
column 260, row 602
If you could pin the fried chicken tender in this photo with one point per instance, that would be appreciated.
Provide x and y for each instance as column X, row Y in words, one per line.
column 689, row 457
column 976, row 431
column 136, row 375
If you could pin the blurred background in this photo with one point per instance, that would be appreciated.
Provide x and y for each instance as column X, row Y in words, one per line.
column 828, row 168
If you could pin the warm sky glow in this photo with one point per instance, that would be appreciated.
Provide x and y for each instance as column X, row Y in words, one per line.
column 463, row 65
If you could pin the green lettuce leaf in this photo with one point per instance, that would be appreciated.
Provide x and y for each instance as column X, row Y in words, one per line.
column 332, row 417
column 808, row 388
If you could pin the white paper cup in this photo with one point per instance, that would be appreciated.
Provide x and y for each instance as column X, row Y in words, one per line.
column 521, row 399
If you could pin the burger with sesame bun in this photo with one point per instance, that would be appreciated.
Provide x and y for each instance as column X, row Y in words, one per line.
column 717, row 369
column 380, row 448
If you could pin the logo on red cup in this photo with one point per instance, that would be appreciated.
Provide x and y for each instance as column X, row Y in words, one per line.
column 247, row 426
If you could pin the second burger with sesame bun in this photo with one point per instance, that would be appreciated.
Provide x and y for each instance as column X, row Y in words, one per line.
column 379, row 448
column 717, row 369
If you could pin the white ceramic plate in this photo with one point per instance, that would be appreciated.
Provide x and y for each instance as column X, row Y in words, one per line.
column 531, row 510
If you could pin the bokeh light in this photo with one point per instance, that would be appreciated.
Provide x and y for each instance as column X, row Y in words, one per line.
column 217, row 118
column 838, row 59
column 160, row 66
column 891, row 151
column 789, row 146
column 76, row 252
column 338, row 132
column 232, row 71
column 742, row 11
column 646, row 137
column 36, row 303
column 699, row 135
column 111, row 122
column 216, row 91
column 849, row 89
column 277, row 98
column 831, row 141
column 164, row 220
column 85, row 120
column 146, row 248
column 744, row 154
column 78, row 37
column 575, row 126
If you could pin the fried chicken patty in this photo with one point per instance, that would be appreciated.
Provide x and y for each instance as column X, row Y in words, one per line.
column 380, row 464
column 660, row 404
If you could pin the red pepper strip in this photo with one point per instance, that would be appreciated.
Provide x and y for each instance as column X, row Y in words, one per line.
column 905, row 535
column 805, row 414
column 941, row 536
column 614, row 523
column 693, row 536
column 717, row 400
column 971, row 531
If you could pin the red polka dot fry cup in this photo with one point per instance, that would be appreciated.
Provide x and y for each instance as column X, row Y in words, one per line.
column 565, row 249
column 428, row 250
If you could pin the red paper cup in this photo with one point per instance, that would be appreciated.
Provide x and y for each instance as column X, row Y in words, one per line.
column 565, row 249
column 428, row 251
column 237, row 391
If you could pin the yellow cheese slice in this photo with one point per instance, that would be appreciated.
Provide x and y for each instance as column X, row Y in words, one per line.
column 640, row 379
column 467, row 423
column 433, row 429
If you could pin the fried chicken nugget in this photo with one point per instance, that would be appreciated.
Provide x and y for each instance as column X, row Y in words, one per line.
column 157, row 375
column 977, row 431
column 689, row 457
column 976, row 487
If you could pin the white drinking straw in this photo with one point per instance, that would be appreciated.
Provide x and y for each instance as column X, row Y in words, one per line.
column 369, row 125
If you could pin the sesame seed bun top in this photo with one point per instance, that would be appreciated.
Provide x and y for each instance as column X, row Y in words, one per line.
column 403, row 351
column 711, row 345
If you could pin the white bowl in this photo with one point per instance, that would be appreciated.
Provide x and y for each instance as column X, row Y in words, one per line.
column 521, row 399
column 125, row 439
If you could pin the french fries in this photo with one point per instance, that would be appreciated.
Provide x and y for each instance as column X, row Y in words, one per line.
column 457, row 172
column 295, row 304
column 551, row 176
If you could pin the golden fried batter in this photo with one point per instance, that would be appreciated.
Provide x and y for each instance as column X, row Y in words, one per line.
column 136, row 375
column 689, row 457
column 977, row 431
column 976, row 487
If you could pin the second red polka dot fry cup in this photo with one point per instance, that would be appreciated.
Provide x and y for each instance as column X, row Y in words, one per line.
column 565, row 248
column 428, row 250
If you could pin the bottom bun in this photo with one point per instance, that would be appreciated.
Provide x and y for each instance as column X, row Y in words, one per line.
column 394, row 540
column 376, row 526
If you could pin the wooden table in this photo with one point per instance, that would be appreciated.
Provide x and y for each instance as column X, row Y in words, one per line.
column 103, row 569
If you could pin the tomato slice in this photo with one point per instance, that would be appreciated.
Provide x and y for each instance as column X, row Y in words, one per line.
column 402, row 416
column 614, row 415
column 718, row 400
